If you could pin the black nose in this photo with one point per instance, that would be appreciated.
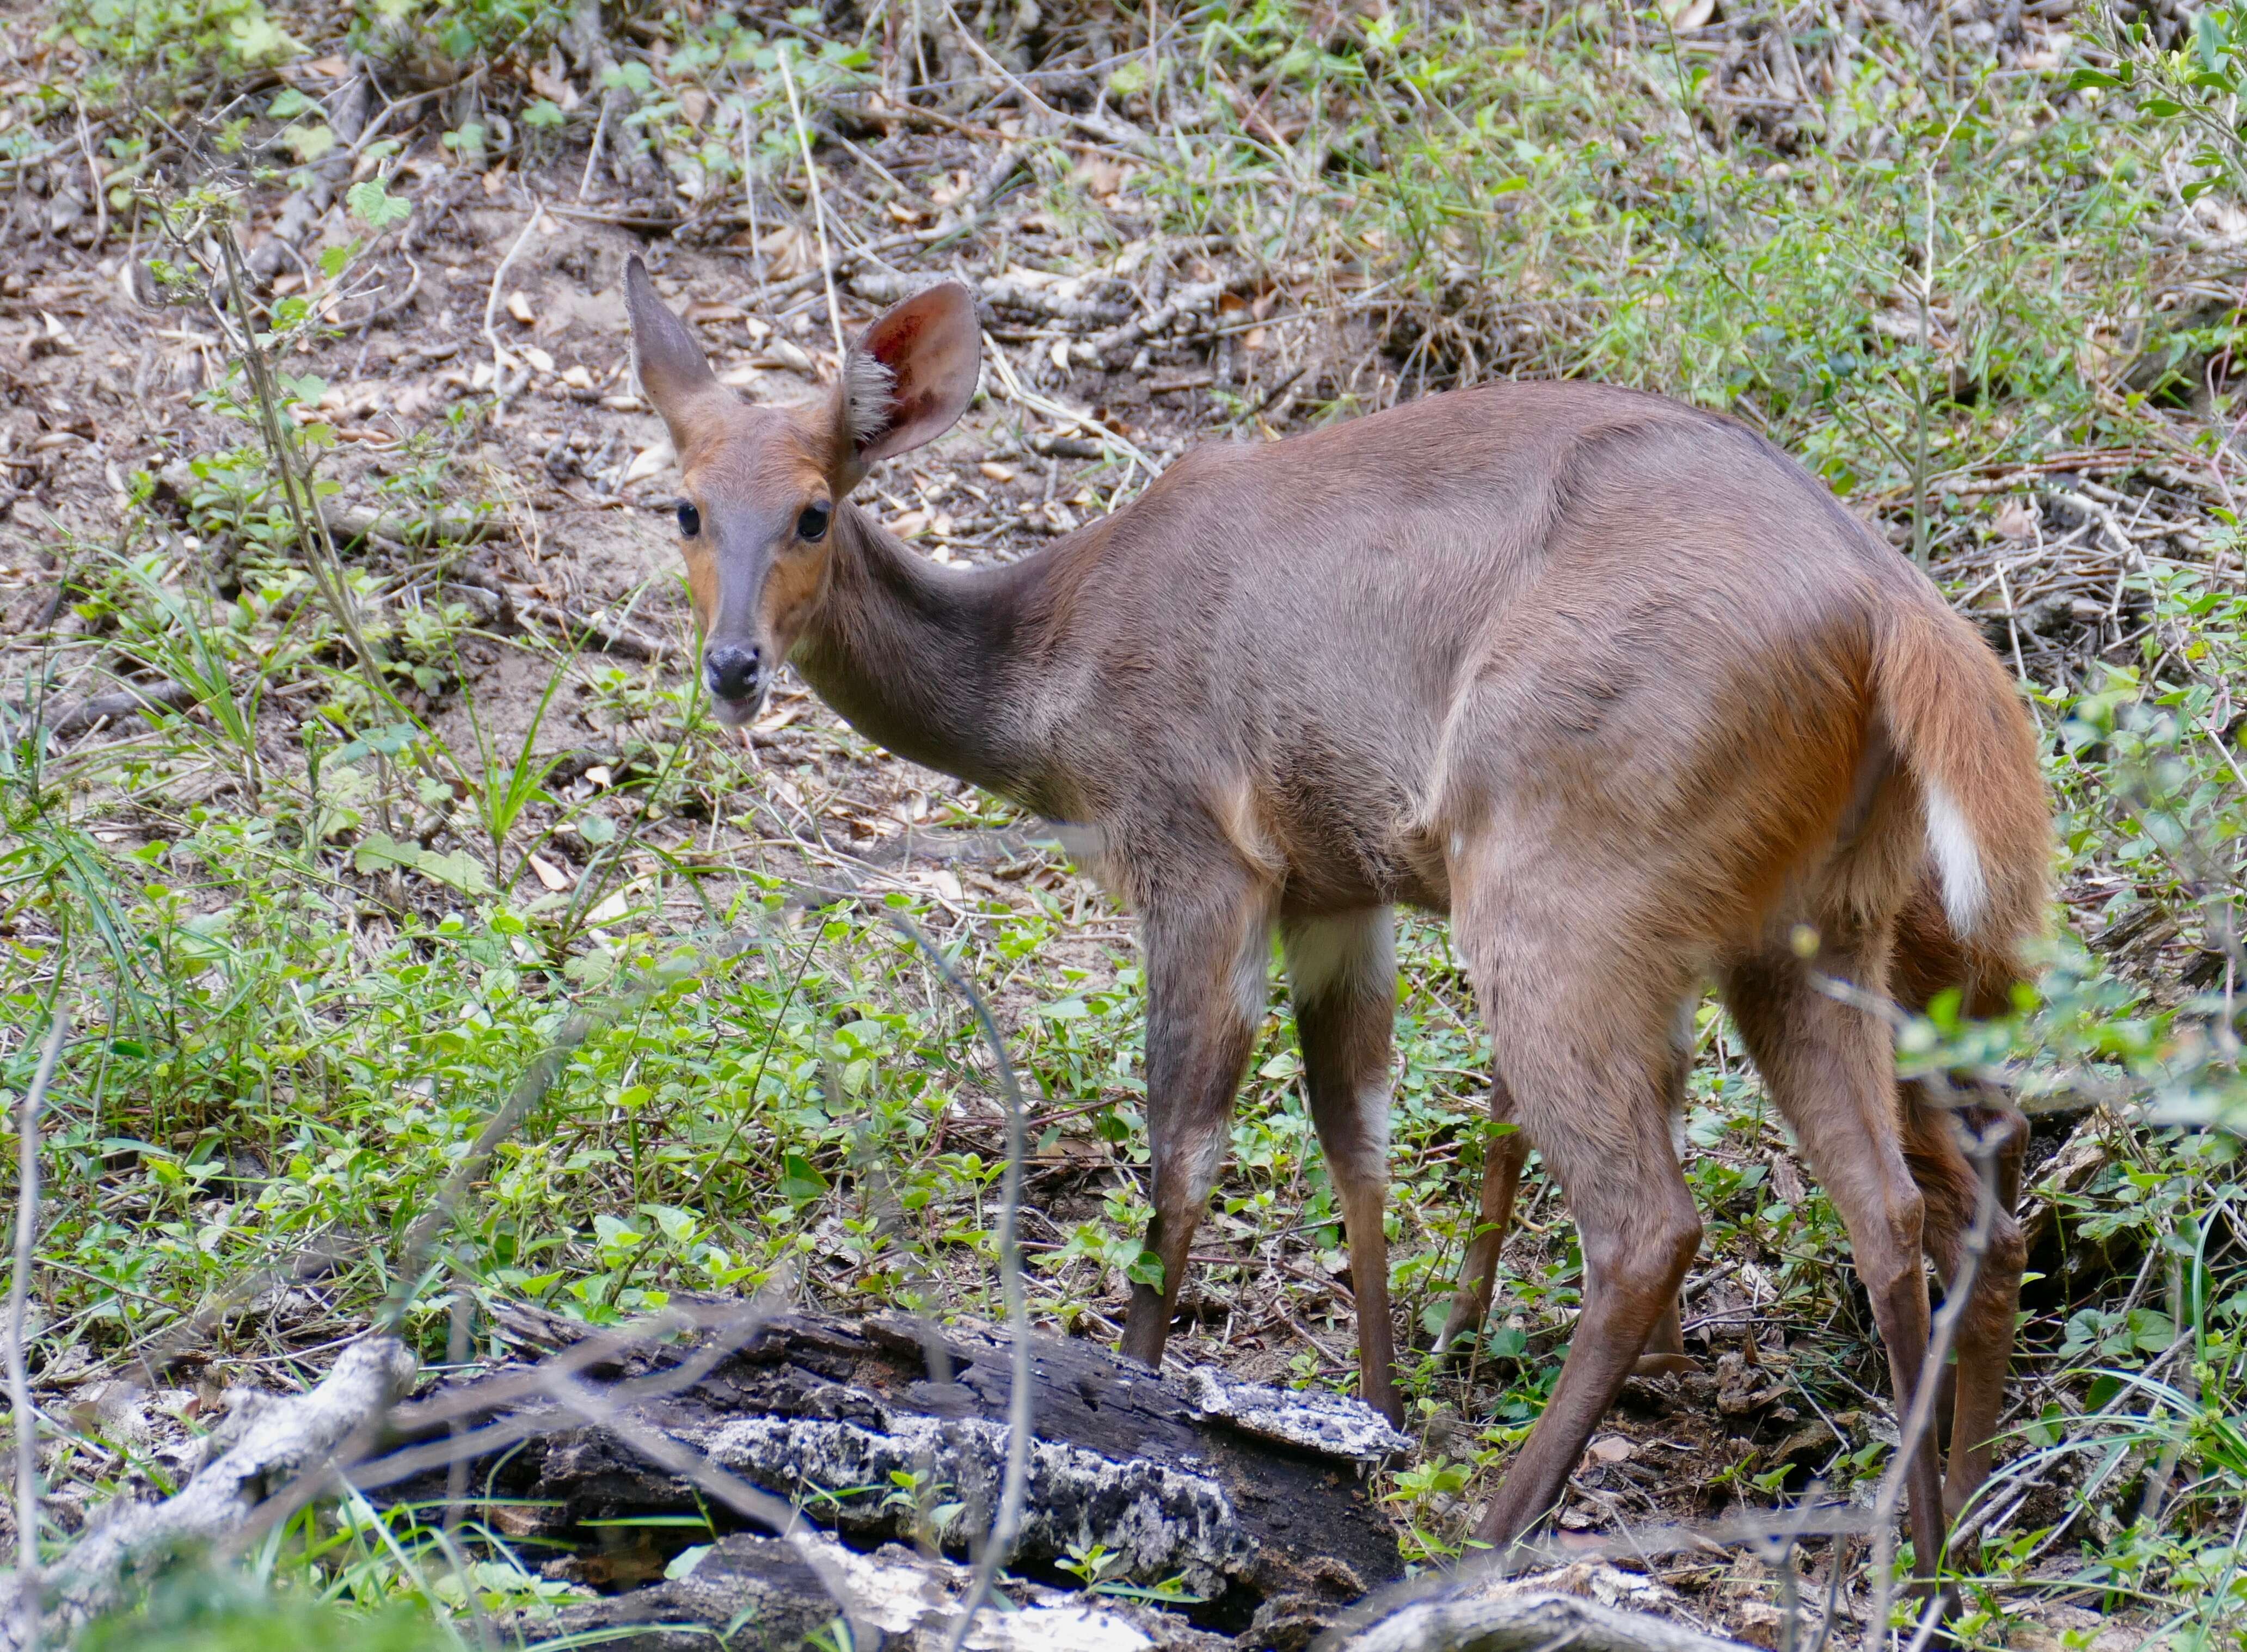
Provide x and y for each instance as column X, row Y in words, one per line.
column 732, row 672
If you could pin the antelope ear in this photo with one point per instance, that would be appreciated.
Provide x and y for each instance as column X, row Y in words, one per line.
column 910, row 376
column 670, row 363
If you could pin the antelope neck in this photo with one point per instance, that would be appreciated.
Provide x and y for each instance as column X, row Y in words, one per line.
column 920, row 658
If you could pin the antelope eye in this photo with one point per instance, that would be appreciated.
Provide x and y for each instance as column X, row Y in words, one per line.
column 690, row 520
column 813, row 524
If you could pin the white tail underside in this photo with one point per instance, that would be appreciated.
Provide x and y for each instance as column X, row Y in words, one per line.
column 1950, row 841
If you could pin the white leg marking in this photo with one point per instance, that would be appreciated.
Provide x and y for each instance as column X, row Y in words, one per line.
column 1356, row 950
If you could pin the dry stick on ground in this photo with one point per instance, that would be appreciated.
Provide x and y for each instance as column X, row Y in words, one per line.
column 128, row 702
column 503, row 358
column 261, row 1443
column 1538, row 1621
column 20, row 1295
column 819, row 203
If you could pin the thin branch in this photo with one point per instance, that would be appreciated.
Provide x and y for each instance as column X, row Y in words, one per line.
column 751, row 1502
column 1005, row 1522
column 1919, row 1420
column 819, row 203
column 19, row 1292
column 503, row 358
column 528, row 1091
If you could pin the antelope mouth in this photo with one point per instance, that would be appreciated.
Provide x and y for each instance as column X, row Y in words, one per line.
column 737, row 713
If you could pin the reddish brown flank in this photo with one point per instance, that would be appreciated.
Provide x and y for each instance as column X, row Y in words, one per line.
column 1611, row 681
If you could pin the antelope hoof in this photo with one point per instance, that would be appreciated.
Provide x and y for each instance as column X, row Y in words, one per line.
column 1665, row 1365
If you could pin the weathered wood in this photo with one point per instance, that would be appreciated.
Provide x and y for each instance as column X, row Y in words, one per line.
column 889, row 1429
column 263, row 1445
column 762, row 1595
column 1521, row 1621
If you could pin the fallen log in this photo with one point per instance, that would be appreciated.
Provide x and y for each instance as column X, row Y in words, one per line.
column 759, row 1594
column 262, row 1447
column 1213, row 1494
column 1491, row 1612
column 1242, row 1507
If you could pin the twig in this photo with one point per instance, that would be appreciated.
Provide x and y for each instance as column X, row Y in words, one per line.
column 297, row 492
column 1029, row 399
column 528, row 1091
column 749, row 1501
column 94, row 178
column 593, row 153
column 19, row 1292
column 503, row 358
column 128, row 702
column 819, row 202
column 1277, row 390
column 1006, row 1523
column 1920, row 1419
column 1531, row 1621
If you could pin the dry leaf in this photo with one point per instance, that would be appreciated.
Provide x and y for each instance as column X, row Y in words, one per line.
column 578, row 377
column 548, row 84
column 1612, row 1448
column 781, row 352
column 910, row 525
column 599, row 775
column 790, row 250
column 2016, row 519
column 538, row 358
column 518, row 305
column 610, row 910
column 1060, row 353
column 996, row 471
column 547, row 873
column 647, row 462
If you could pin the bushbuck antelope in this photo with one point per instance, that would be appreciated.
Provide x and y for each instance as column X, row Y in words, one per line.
column 1611, row 681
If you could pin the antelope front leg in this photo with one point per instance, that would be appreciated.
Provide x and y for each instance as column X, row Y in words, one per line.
column 1206, row 973
column 1342, row 973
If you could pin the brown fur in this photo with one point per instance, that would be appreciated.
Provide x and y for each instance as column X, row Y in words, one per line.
column 1610, row 680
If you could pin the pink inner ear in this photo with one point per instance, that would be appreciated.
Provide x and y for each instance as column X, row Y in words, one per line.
column 929, row 350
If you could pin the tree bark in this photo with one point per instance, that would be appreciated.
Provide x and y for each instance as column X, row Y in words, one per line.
column 885, row 1429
